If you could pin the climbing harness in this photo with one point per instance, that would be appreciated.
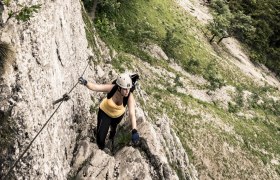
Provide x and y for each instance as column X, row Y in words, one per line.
column 65, row 97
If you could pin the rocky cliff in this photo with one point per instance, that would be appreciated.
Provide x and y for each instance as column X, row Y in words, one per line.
column 50, row 52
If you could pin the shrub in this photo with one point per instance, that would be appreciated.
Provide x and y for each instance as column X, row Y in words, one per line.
column 232, row 107
column 88, row 4
column 23, row 12
column 215, row 79
column 192, row 66
column 170, row 42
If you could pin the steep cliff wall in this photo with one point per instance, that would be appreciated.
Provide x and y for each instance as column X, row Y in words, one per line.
column 51, row 52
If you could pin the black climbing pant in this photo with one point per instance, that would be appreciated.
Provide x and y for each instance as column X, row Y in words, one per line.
column 103, row 123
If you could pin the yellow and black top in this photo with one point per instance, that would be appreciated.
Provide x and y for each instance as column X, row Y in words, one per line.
column 111, row 109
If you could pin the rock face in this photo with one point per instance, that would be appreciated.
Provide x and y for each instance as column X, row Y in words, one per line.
column 51, row 53
column 158, row 149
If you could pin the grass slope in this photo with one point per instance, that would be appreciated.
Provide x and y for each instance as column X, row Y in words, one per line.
column 238, row 141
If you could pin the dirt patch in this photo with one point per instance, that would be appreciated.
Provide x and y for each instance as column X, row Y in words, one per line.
column 259, row 73
column 196, row 8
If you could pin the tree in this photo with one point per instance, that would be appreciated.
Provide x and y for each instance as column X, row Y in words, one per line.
column 242, row 25
column 226, row 24
column 219, row 26
column 101, row 6
column 257, row 23
column 220, row 7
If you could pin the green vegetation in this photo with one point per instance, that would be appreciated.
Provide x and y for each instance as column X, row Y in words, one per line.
column 24, row 12
column 259, row 141
column 123, row 137
column 250, row 120
column 130, row 25
column 22, row 15
column 89, row 29
column 255, row 23
column 226, row 24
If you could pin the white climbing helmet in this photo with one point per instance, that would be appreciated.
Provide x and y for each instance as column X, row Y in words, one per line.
column 124, row 81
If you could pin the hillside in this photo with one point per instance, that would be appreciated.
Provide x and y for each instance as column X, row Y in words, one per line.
column 222, row 106
column 204, row 111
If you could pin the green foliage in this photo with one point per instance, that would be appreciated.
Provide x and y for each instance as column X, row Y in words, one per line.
column 104, row 26
column 89, row 29
column 88, row 4
column 238, row 103
column 242, row 26
column 170, row 42
column 6, row 2
column 92, row 109
column 25, row 13
column 121, row 62
column 122, row 137
column 226, row 24
column 221, row 24
column 220, row 7
column 138, row 32
column 103, row 6
column 232, row 107
column 265, row 41
column 239, row 97
column 260, row 101
column 124, row 34
column 193, row 66
column 108, row 7
column 212, row 75
column 177, row 81
column 253, row 100
column 272, row 106
column 123, row 31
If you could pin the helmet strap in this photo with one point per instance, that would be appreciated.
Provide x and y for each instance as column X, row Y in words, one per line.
column 119, row 90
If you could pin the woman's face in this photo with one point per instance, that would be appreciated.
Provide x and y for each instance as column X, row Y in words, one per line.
column 125, row 91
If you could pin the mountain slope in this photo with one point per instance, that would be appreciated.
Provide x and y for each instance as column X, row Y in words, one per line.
column 51, row 52
column 202, row 111
column 223, row 108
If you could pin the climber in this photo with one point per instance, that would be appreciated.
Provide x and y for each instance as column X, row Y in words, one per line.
column 112, row 109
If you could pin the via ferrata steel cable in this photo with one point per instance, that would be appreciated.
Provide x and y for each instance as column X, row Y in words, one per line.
column 64, row 98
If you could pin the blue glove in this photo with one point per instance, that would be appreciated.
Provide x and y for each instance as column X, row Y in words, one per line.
column 82, row 81
column 135, row 136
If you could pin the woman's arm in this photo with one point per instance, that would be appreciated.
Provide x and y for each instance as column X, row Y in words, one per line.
column 99, row 87
column 131, row 109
